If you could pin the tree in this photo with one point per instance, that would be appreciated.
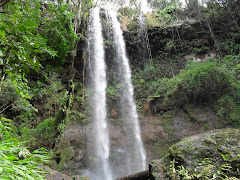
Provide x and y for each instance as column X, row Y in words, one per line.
column 20, row 40
column 2, row 3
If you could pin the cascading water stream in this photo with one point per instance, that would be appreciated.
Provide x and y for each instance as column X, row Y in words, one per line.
column 136, row 154
column 134, row 158
column 144, row 6
column 99, row 84
column 128, row 156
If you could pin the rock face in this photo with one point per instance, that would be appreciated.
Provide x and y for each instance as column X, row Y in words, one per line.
column 159, row 132
column 54, row 175
column 197, row 153
column 162, row 131
column 71, row 149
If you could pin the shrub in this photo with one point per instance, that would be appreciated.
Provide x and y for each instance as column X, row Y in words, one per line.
column 16, row 161
column 46, row 128
column 228, row 107
column 199, row 82
column 14, row 99
column 57, row 28
column 167, row 14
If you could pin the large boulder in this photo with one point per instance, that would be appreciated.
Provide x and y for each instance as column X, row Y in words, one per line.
column 214, row 153
column 54, row 175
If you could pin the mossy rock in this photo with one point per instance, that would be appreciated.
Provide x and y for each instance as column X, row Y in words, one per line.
column 212, row 144
column 218, row 146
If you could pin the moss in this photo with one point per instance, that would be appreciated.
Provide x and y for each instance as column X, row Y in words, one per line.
column 64, row 152
column 206, row 126
column 189, row 110
column 161, row 147
column 188, row 148
column 64, row 158
column 176, row 152
column 166, row 160
column 154, row 174
column 124, row 20
column 165, row 120
column 204, row 155
column 153, row 21
column 209, row 141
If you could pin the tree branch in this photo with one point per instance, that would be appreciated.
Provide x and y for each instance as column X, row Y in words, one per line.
column 4, row 2
column 6, row 108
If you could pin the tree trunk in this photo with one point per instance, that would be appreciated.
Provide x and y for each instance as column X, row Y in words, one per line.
column 83, row 75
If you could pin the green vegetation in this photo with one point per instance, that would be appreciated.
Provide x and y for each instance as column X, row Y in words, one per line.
column 160, row 147
column 127, row 12
column 211, row 155
column 16, row 161
column 36, row 38
column 213, row 82
column 199, row 82
column 46, row 130
column 59, row 33
column 206, row 169
column 167, row 14
column 42, row 88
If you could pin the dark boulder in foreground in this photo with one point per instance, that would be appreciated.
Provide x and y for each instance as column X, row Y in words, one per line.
column 138, row 176
column 211, row 155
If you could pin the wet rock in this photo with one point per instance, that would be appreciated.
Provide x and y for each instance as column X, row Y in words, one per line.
column 218, row 146
column 158, row 133
column 152, row 131
column 192, row 150
column 194, row 120
column 161, row 131
column 54, row 175
column 156, row 170
column 71, row 149
column 81, row 178
column 138, row 176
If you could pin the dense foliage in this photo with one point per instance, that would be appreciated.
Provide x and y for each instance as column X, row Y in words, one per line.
column 35, row 39
column 32, row 33
column 58, row 30
column 16, row 161
column 177, row 35
column 214, row 82
column 199, row 82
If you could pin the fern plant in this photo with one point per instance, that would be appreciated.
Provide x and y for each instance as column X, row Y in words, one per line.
column 16, row 161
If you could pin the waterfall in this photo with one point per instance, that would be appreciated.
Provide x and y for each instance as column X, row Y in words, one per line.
column 99, row 84
column 144, row 6
column 132, row 158
column 135, row 150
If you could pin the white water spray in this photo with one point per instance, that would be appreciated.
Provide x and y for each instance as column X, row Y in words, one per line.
column 144, row 6
column 96, row 50
column 136, row 158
